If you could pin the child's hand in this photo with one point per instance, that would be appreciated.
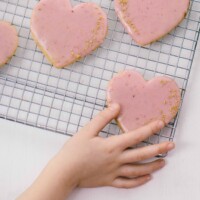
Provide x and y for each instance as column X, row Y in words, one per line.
column 88, row 160
column 96, row 161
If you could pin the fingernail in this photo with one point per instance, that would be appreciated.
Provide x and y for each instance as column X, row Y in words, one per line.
column 170, row 146
column 161, row 124
column 114, row 106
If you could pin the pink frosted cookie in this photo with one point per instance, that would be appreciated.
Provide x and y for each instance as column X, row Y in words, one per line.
column 143, row 101
column 149, row 20
column 66, row 34
column 8, row 42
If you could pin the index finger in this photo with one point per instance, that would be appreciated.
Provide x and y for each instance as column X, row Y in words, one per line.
column 132, row 138
column 101, row 120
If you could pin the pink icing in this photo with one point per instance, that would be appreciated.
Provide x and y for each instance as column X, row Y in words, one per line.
column 149, row 20
column 8, row 41
column 141, row 101
column 66, row 34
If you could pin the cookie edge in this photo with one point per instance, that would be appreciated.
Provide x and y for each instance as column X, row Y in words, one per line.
column 17, row 43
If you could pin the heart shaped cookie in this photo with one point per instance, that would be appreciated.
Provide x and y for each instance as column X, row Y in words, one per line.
column 143, row 101
column 66, row 34
column 149, row 20
column 8, row 42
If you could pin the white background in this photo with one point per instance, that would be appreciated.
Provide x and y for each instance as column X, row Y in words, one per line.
column 24, row 151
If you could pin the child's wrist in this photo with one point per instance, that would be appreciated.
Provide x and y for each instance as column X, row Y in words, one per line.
column 55, row 181
column 65, row 170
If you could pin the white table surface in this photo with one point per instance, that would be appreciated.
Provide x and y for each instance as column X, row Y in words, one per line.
column 24, row 151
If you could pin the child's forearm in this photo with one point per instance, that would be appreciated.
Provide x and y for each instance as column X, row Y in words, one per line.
column 55, row 182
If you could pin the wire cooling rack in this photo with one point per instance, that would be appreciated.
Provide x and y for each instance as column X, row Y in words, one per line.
column 34, row 93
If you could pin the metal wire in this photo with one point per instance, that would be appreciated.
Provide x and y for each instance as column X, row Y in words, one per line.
column 34, row 93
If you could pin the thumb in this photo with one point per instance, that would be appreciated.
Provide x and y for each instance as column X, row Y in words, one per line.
column 102, row 119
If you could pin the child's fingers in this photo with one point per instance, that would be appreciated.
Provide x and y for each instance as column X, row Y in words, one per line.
column 130, row 183
column 143, row 153
column 134, row 170
column 102, row 119
column 134, row 137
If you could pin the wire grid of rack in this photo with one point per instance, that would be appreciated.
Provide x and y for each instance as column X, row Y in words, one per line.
column 33, row 92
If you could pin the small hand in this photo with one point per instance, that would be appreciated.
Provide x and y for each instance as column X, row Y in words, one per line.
column 88, row 160
column 97, row 161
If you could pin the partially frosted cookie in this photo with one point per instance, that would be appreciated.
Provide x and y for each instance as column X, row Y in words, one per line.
column 66, row 34
column 8, row 42
column 143, row 101
column 149, row 20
